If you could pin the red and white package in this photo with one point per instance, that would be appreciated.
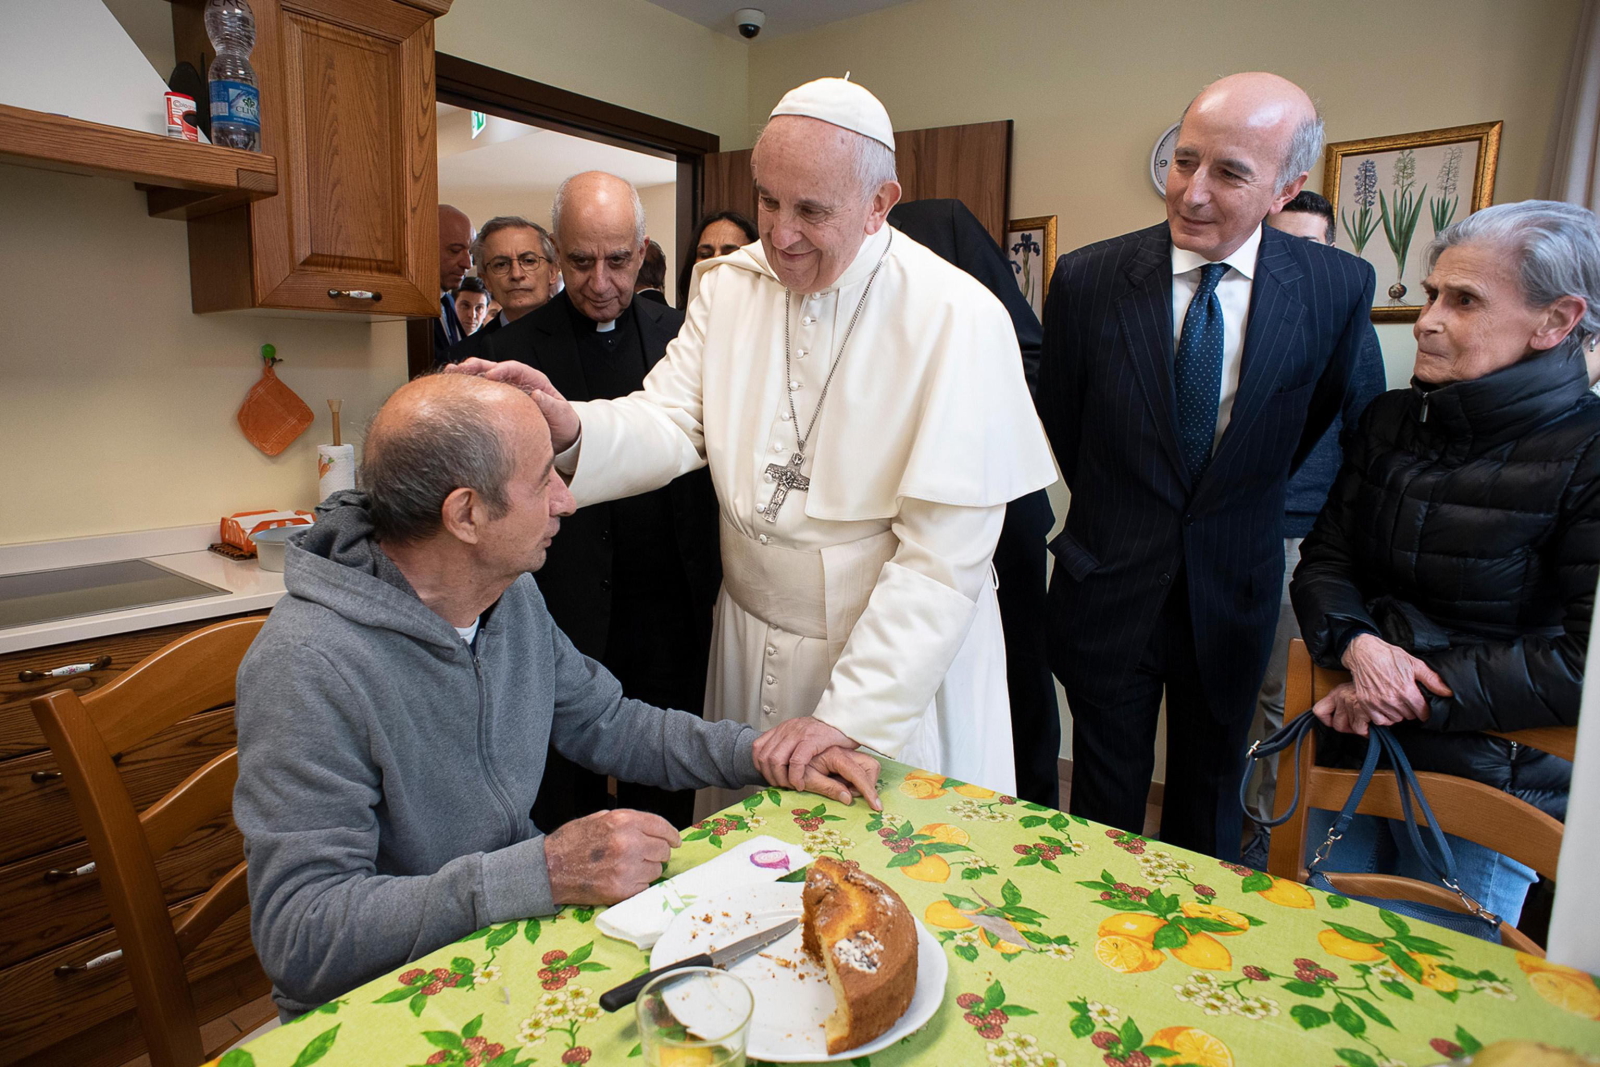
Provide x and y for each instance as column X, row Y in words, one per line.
column 179, row 105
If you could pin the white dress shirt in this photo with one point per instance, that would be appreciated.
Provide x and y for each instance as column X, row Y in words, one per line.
column 1233, row 293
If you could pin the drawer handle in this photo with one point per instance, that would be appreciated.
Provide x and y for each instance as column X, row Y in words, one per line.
column 355, row 294
column 63, row 672
column 56, row 874
column 67, row 970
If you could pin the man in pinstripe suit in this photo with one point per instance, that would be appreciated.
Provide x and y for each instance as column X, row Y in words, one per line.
column 1186, row 370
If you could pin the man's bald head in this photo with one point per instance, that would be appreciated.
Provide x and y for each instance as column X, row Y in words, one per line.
column 1244, row 149
column 1258, row 99
column 455, row 246
column 600, row 239
column 438, row 434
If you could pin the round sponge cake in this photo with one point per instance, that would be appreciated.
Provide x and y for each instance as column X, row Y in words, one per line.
column 861, row 932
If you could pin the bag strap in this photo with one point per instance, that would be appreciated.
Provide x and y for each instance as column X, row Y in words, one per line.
column 1440, row 860
column 1292, row 733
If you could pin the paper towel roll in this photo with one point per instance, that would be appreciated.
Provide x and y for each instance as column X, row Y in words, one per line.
column 336, row 469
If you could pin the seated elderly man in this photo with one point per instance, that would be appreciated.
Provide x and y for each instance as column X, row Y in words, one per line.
column 1453, row 569
column 395, row 713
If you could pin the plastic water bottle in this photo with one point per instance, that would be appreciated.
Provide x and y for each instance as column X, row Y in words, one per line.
column 235, row 100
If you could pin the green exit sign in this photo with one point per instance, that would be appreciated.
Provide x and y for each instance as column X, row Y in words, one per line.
column 479, row 121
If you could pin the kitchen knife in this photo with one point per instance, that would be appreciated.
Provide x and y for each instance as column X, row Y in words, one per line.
column 625, row 994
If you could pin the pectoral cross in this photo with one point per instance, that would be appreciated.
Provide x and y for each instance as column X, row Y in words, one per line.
column 788, row 477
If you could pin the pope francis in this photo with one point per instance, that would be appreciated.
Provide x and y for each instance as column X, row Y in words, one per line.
column 862, row 407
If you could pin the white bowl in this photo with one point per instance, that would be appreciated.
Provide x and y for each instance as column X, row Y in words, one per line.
column 269, row 545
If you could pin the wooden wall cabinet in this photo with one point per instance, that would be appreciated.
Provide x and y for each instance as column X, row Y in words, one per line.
column 55, row 918
column 347, row 103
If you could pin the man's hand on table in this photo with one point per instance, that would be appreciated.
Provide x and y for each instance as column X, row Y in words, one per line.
column 557, row 411
column 608, row 856
column 809, row 755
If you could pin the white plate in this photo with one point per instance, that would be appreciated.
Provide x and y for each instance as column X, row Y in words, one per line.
column 792, row 1002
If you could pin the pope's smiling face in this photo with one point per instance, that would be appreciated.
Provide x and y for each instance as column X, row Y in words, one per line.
column 813, row 212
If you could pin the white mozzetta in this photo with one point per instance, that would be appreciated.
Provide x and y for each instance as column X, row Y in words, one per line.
column 249, row 587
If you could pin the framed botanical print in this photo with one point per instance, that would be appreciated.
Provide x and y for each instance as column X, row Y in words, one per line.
column 1031, row 248
column 1390, row 195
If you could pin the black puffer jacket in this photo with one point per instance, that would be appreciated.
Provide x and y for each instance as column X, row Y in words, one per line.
column 1465, row 528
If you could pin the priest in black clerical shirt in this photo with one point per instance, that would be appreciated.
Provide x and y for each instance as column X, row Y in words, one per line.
column 631, row 582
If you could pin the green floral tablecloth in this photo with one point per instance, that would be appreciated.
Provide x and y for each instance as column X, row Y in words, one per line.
column 1069, row 943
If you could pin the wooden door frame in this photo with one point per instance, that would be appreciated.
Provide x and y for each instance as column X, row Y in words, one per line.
column 495, row 92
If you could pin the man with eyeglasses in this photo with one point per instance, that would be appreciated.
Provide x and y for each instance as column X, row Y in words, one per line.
column 517, row 261
column 632, row 581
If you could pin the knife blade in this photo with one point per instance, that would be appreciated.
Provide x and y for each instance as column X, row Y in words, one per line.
column 627, row 992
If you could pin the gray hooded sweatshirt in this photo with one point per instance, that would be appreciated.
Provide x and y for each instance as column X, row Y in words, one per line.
column 387, row 769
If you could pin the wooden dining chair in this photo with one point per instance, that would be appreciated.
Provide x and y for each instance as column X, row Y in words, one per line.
column 1466, row 808
column 192, row 674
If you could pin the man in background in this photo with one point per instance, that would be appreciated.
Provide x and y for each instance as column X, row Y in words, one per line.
column 517, row 260
column 1310, row 216
column 1187, row 369
column 652, row 282
column 455, row 259
column 631, row 581
column 472, row 304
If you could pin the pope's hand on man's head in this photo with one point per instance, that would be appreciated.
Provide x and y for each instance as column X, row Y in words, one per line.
column 785, row 756
column 608, row 856
column 557, row 411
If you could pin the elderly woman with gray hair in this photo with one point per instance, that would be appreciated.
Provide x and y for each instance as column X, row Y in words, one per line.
column 1453, row 570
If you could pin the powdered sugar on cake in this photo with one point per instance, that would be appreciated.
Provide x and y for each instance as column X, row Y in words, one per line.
column 860, row 952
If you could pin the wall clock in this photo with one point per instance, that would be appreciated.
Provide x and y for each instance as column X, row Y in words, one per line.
column 1161, row 158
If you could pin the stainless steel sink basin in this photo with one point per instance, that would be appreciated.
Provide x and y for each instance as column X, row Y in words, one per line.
column 72, row 592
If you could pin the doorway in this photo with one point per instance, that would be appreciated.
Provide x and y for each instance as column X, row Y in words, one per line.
column 539, row 125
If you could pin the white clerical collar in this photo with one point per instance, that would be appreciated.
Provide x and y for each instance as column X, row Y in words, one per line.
column 1241, row 259
column 866, row 259
column 605, row 327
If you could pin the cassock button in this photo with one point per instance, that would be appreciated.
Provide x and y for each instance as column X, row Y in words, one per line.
column 794, row 386
column 777, row 446
column 784, row 415
column 771, row 651
column 763, row 539
column 766, row 709
column 801, row 353
column 1165, row 579
column 772, row 680
column 808, row 320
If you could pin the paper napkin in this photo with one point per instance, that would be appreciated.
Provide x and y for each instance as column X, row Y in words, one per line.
column 644, row 918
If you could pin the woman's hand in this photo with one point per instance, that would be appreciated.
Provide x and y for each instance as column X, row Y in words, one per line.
column 1384, row 687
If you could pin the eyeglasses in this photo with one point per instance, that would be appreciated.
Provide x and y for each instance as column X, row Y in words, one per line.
column 501, row 265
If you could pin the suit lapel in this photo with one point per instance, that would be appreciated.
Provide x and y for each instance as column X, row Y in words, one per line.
column 557, row 350
column 653, row 335
column 1270, row 333
column 1145, row 312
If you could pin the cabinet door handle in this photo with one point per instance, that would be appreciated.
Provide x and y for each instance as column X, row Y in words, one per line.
column 57, row 874
column 67, row 970
column 65, row 671
column 355, row 294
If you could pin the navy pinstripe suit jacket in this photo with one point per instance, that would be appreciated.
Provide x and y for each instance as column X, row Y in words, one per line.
column 1137, row 519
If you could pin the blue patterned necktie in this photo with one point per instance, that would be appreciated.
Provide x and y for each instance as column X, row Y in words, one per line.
column 1197, row 370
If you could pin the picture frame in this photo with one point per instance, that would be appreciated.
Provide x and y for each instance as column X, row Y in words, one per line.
column 1390, row 195
column 1030, row 248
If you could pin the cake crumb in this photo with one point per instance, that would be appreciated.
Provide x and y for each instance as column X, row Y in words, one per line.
column 860, row 951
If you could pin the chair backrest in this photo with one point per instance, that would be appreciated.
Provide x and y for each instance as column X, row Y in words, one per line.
column 192, row 674
column 1463, row 807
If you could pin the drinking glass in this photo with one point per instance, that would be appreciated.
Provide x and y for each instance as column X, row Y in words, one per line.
column 696, row 1017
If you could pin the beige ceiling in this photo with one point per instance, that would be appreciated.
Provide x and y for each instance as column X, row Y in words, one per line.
column 783, row 16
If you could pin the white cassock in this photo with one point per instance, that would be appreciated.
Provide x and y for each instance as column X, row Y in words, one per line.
column 870, row 601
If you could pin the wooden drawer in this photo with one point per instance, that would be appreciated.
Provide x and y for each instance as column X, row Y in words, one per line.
column 38, row 814
column 43, row 914
column 19, row 733
column 38, row 1007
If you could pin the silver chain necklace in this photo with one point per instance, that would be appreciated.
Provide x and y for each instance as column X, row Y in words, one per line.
column 788, row 475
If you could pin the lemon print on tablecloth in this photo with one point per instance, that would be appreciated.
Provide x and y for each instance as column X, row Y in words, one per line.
column 1336, row 944
column 1565, row 987
column 1192, row 1045
column 1287, row 894
column 1212, row 911
column 1128, row 955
